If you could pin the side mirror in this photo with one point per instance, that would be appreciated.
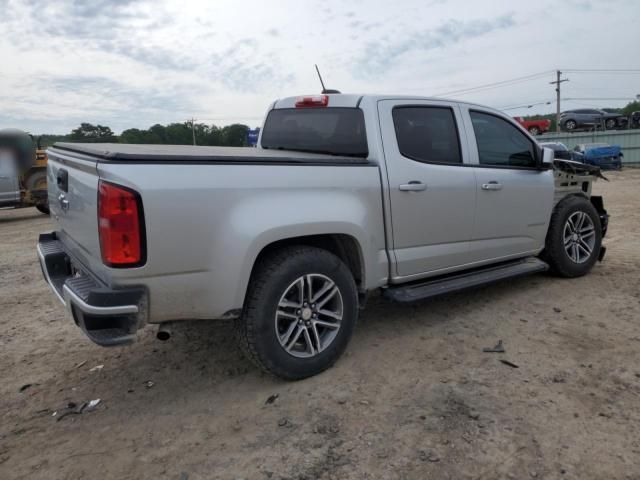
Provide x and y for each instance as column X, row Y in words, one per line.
column 547, row 158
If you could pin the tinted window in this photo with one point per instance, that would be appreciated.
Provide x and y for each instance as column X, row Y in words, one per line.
column 500, row 143
column 338, row 131
column 427, row 134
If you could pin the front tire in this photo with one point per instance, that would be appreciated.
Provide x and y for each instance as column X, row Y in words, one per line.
column 574, row 238
column 299, row 313
column 534, row 130
column 570, row 125
column 610, row 124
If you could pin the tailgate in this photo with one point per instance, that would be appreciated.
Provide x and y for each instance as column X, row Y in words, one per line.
column 73, row 196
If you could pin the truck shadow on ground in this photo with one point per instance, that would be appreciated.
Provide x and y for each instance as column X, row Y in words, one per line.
column 23, row 215
column 208, row 349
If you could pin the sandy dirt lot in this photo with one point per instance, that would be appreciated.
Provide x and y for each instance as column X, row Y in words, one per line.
column 414, row 397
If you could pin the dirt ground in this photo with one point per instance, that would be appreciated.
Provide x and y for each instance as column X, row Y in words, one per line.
column 414, row 397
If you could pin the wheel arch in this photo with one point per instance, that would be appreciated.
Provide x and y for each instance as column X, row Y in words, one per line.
column 344, row 246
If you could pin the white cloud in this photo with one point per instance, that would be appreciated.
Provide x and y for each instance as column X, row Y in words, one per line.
column 133, row 63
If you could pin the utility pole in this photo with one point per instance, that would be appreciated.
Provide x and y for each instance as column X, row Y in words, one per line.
column 557, row 84
column 193, row 129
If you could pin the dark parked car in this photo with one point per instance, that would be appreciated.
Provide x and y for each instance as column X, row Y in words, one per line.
column 589, row 118
column 561, row 151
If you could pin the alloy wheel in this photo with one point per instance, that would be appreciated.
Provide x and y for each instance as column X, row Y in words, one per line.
column 309, row 315
column 579, row 237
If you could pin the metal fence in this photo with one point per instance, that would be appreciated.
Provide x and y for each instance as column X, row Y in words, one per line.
column 629, row 141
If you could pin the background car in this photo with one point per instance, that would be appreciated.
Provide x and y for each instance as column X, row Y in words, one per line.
column 588, row 118
column 602, row 155
column 535, row 127
column 561, row 151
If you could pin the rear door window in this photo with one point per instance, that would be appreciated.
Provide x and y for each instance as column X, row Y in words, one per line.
column 501, row 143
column 427, row 134
column 335, row 130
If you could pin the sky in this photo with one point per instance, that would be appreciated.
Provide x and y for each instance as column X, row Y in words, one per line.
column 135, row 63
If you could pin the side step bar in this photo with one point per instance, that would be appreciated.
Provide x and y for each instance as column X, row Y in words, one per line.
column 461, row 281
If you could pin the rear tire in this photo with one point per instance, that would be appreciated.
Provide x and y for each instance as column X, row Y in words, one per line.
column 570, row 125
column 610, row 124
column 43, row 208
column 534, row 130
column 574, row 238
column 289, row 326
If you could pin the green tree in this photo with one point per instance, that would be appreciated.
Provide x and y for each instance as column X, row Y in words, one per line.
column 88, row 132
column 235, row 135
column 631, row 107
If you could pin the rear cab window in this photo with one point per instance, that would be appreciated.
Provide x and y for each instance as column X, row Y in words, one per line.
column 333, row 130
column 427, row 134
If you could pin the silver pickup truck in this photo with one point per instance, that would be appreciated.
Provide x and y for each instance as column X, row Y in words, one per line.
column 345, row 195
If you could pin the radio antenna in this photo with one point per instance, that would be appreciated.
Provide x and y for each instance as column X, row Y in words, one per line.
column 320, row 77
column 325, row 90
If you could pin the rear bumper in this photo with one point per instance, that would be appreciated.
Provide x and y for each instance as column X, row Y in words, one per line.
column 109, row 317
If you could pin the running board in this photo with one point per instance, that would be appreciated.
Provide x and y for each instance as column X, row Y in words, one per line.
column 461, row 281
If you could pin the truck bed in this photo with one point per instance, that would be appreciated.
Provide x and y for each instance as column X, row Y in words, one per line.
column 136, row 153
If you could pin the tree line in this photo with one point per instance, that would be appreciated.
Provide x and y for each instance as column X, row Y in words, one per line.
column 234, row 135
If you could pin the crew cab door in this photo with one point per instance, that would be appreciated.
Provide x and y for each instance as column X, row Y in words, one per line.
column 431, row 186
column 9, row 188
column 514, row 197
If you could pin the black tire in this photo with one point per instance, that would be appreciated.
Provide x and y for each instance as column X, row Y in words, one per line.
column 610, row 124
column 570, row 125
column 43, row 208
column 272, row 277
column 555, row 253
column 534, row 130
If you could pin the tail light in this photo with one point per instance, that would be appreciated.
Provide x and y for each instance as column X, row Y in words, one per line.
column 312, row 101
column 121, row 226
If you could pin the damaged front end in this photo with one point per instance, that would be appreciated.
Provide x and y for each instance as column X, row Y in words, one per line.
column 575, row 178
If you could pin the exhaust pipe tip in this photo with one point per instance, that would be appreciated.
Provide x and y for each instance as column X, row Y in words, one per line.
column 164, row 332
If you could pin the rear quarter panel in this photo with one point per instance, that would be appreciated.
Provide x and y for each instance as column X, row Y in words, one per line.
column 206, row 225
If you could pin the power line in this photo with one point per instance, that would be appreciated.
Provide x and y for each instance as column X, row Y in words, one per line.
column 502, row 83
column 604, row 70
column 527, row 105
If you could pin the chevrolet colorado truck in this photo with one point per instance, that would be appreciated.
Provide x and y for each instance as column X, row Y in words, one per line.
column 345, row 195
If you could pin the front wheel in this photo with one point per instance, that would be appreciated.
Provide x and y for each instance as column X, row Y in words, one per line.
column 610, row 124
column 534, row 130
column 300, row 312
column 574, row 238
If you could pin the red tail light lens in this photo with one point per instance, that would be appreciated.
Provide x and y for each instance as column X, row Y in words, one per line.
column 312, row 101
column 121, row 227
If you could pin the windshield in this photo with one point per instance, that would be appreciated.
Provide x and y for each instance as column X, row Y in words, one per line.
column 336, row 131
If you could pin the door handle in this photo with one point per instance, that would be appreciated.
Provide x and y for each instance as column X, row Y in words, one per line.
column 412, row 186
column 64, row 203
column 492, row 185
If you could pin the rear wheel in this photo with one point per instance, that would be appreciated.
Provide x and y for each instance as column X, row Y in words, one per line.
column 574, row 238
column 300, row 312
column 610, row 124
column 570, row 125
column 43, row 208
column 36, row 184
column 534, row 130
